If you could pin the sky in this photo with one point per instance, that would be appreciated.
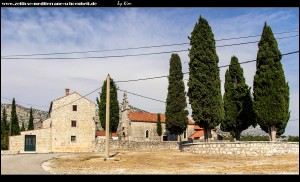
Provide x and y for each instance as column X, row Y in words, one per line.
column 37, row 82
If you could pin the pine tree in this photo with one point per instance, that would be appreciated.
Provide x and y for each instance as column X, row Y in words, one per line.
column 270, row 90
column 114, row 106
column 176, row 114
column 158, row 126
column 204, row 78
column 23, row 127
column 4, row 131
column 30, row 123
column 14, row 121
column 238, row 107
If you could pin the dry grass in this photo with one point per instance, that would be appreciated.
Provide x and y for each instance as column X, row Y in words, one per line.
column 172, row 162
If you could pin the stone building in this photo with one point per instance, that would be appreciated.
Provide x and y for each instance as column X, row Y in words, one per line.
column 70, row 128
column 141, row 126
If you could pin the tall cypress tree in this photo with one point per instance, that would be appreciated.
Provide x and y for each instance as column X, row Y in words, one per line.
column 30, row 123
column 238, row 106
column 114, row 106
column 204, row 78
column 176, row 114
column 270, row 90
column 158, row 126
column 4, row 131
column 14, row 121
column 23, row 126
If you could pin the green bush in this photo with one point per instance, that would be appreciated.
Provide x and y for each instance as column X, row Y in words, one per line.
column 293, row 139
column 254, row 138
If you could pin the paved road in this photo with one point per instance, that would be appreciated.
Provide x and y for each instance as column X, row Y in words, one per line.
column 24, row 163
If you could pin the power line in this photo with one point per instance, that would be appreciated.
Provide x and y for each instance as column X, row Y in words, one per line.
column 164, row 76
column 23, row 102
column 134, row 55
column 144, row 96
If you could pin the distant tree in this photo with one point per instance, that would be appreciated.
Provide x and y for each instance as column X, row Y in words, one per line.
column 238, row 107
column 158, row 126
column 4, row 131
column 114, row 106
column 14, row 121
column 176, row 113
column 270, row 89
column 30, row 123
column 23, row 127
column 204, row 79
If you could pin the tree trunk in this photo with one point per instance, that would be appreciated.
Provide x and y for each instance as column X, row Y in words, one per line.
column 205, row 134
column 237, row 135
column 273, row 132
column 269, row 132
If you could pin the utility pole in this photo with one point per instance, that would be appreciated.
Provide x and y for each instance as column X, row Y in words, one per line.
column 107, row 117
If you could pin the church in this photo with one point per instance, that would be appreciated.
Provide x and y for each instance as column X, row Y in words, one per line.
column 141, row 126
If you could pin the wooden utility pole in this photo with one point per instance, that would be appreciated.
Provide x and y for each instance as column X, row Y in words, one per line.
column 107, row 117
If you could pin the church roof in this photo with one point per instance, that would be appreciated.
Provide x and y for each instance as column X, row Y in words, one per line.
column 197, row 134
column 149, row 117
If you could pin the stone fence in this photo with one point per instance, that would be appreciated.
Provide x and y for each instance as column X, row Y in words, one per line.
column 257, row 148
column 136, row 146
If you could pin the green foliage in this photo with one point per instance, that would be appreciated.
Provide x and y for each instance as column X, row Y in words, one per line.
column 238, row 106
column 15, row 128
column 30, row 123
column 270, row 90
column 204, row 78
column 114, row 106
column 23, row 126
column 158, row 126
column 176, row 114
column 293, row 138
column 4, row 131
column 254, row 138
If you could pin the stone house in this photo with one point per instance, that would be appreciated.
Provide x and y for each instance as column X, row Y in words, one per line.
column 141, row 126
column 70, row 128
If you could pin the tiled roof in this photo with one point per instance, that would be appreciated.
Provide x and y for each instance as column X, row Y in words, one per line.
column 149, row 117
column 196, row 127
column 197, row 134
column 102, row 133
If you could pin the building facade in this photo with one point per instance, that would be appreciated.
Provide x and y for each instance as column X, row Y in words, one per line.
column 70, row 128
column 142, row 126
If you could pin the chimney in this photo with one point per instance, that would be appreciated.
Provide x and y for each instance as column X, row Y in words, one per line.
column 67, row 91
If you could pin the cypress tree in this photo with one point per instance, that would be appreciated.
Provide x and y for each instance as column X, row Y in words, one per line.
column 114, row 106
column 176, row 114
column 23, row 126
column 14, row 121
column 270, row 90
column 238, row 106
column 204, row 78
column 4, row 131
column 158, row 126
column 30, row 123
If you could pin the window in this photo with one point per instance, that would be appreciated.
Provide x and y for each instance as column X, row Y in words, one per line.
column 73, row 138
column 74, row 107
column 184, row 134
column 147, row 134
column 73, row 123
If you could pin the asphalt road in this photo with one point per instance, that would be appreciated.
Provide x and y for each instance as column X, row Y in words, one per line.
column 25, row 163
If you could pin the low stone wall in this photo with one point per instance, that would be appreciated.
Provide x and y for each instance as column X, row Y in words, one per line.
column 136, row 146
column 243, row 148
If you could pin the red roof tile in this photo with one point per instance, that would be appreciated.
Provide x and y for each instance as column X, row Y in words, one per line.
column 196, row 127
column 197, row 134
column 102, row 133
column 149, row 117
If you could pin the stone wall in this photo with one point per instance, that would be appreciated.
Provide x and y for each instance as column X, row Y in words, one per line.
column 243, row 148
column 136, row 146
column 43, row 141
column 62, row 115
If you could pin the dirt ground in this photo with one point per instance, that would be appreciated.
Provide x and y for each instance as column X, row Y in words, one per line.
column 171, row 162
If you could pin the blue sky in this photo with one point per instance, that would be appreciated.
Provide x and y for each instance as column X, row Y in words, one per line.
column 48, row 30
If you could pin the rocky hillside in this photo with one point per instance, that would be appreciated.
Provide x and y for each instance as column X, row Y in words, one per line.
column 24, row 113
